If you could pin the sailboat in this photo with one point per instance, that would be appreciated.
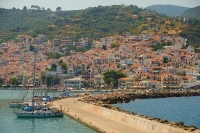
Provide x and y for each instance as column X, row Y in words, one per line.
column 38, row 111
column 21, row 103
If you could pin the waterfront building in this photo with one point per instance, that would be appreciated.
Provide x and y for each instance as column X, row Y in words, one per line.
column 76, row 82
column 170, row 81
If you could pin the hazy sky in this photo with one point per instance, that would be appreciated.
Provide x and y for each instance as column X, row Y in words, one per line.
column 82, row 4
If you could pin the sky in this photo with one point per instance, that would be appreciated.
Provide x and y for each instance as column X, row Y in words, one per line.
column 83, row 4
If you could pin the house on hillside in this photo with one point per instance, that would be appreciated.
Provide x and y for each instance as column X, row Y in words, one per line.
column 24, row 38
column 152, row 25
column 56, row 42
column 67, row 41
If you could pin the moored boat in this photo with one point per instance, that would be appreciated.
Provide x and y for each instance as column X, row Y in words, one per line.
column 17, row 104
column 36, row 108
column 42, row 113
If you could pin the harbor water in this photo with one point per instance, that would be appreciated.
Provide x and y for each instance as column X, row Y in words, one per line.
column 9, row 123
column 174, row 109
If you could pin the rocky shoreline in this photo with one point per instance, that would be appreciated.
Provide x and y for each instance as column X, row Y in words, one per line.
column 106, row 100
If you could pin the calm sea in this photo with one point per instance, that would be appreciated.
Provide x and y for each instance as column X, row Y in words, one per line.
column 9, row 123
column 175, row 109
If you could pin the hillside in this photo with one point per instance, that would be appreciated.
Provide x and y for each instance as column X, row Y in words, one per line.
column 94, row 23
column 169, row 10
column 32, row 22
column 16, row 20
column 102, row 21
column 192, row 33
column 192, row 12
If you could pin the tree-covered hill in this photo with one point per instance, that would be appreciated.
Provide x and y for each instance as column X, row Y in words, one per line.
column 192, row 12
column 22, row 20
column 192, row 33
column 169, row 10
column 93, row 22
column 32, row 22
column 102, row 21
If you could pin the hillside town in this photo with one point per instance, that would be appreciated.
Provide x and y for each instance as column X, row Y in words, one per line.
column 176, row 66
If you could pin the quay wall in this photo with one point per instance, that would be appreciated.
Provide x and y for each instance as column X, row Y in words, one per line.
column 142, row 123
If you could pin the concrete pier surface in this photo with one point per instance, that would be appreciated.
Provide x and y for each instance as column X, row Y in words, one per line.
column 111, row 121
column 103, row 124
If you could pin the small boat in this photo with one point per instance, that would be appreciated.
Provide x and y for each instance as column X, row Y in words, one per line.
column 17, row 104
column 42, row 113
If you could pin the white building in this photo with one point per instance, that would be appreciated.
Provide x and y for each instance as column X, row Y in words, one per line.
column 76, row 82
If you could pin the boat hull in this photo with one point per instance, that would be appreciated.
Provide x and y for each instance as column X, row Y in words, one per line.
column 17, row 105
column 38, row 114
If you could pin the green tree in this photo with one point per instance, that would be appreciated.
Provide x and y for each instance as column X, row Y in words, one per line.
column 63, row 66
column 172, row 24
column 38, row 8
column 54, row 55
column 32, row 6
column 181, row 73
column 14, row 81
column 112, row 76
column 61, row 61
column 50, row 28
column 53, row 67
column 115, row 45
column 48, row 9
column 86, row 84
column 104, row 47
column 24, row 8
column 58, row 9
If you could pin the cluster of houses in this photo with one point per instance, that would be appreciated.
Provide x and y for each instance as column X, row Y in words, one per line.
column 174, row 67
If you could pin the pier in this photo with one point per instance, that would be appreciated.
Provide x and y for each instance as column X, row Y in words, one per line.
column 94, row 120
column 111, row 121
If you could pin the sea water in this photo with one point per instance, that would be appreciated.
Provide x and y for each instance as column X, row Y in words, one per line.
column 9, row 123
column 174, row 109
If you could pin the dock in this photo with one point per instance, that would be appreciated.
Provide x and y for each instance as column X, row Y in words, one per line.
column 93, row 120
column 105, row 120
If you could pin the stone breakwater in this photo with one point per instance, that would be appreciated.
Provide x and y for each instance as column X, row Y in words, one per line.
column 115, row 98
column 105, row 100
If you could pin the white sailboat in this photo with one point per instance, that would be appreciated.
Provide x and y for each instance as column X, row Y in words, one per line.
column 21, row 103
column 39, row 111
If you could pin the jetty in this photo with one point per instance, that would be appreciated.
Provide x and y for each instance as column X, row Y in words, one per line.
column 106, row 120
column 94, row 120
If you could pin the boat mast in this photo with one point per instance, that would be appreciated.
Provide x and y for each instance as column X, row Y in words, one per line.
column 23, row 96
column 33, row 102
